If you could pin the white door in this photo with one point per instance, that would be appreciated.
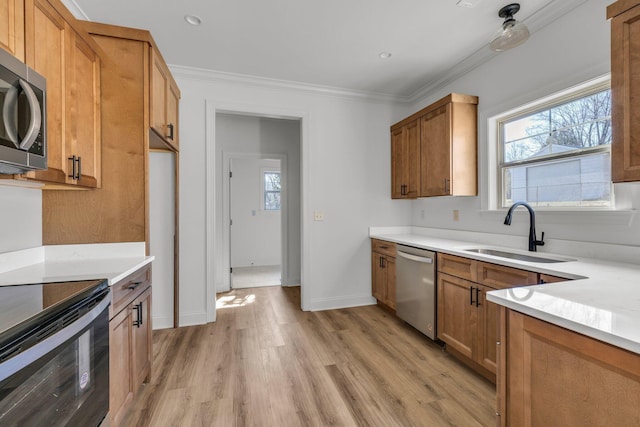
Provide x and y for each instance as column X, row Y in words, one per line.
column 255, row 222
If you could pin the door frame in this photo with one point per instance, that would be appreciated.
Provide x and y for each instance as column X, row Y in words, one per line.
column 284, row 205
column 211, row 161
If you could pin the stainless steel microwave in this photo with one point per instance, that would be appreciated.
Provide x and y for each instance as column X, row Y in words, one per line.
column 23, row 129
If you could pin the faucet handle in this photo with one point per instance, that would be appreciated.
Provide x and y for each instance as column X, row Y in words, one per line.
column 541, row 241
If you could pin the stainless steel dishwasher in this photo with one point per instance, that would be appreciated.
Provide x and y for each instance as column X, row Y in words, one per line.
column 415, row 288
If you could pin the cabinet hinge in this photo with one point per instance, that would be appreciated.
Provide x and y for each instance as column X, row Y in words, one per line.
column 230, row 269
column 230, row 174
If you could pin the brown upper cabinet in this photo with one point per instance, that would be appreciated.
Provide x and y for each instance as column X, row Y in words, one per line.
column 165, row 96
column 625, row 89
column 439, row 156
column 405, row 161
column 12, row 27
column 67, row 57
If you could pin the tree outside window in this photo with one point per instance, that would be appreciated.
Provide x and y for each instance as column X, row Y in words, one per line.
column 272, row 188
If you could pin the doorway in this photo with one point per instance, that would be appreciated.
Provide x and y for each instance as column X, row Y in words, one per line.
column 268, row 133
column 257, row 197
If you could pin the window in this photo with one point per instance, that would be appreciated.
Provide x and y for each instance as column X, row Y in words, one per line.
column 558, row 154
column 271, row 190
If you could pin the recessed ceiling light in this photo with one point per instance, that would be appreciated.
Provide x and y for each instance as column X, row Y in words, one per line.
column 384, row 55
column 193, row 19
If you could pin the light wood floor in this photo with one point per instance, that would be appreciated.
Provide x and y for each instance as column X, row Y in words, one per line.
column 267, row 363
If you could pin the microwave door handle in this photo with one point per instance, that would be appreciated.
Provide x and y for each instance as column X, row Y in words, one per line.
column 8, row 114
column 36, row 117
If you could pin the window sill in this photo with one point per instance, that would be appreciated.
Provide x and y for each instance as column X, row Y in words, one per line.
column 584, row 216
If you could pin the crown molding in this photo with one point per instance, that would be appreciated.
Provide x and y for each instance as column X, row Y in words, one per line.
column 541, row 18
column 553, row 10
column 200, row 74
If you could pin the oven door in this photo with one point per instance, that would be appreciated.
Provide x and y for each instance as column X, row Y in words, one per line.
column 63, row 380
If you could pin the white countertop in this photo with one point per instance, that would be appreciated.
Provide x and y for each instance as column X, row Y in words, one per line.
column 111, row 261
column 603, row 300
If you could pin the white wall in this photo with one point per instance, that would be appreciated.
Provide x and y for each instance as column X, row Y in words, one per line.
column 346, row 145
column 161, row 227
column 255, row 233
column 571, row 50
column 20, row 218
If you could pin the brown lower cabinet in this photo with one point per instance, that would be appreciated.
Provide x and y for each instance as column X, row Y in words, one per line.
column 467, row 322
column 550, row 376
column 130, row 350
column 383, row 272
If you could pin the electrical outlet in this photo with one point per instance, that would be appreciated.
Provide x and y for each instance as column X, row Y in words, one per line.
column 456, row 215
column 318, row 216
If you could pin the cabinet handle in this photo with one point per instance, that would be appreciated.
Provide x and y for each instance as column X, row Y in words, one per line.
column 136, row 322
column 382, row 262
column 477, row 297
column 73, row 167
column 170, row 126
column 471, row 295
column 79, row 170
column 134, row 285
column 138, row 308
column 447, row 185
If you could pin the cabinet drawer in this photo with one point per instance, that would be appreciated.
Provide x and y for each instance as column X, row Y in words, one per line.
column 127, row 289
column 546, row 278
column 464, row 268
column 500, row 277
column 383, row 247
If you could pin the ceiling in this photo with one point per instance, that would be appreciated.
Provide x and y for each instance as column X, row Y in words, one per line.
column 329, row 43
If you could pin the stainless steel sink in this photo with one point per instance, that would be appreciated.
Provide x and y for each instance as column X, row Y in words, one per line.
column 520, row 256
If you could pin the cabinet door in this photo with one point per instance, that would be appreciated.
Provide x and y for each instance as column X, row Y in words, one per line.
column 83, row 111
column 12, row 27
column 46, row 34
column 405, row 161
column 158, row 95
column 120, row 366
column 141, row 338
column 173, row 100
column 378, row 277
column 435, row 152
column 457, row 319
column 390, row 266
column 625, row 88
column 558, row 377
column 488, row 330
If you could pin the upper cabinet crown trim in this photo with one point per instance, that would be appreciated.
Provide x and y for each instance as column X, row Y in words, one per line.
column 451, row 98
column 621, row 6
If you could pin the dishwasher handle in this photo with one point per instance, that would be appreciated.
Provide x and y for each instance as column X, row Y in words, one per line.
column 415, row 258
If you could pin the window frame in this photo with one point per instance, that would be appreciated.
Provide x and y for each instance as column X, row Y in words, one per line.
column 497, row 198
column 264, row 191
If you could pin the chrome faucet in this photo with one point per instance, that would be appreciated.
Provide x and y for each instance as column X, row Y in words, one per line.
column 533, row 243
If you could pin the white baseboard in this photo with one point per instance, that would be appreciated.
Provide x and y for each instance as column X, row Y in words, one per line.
column 162, row 322
column 191, row 319
column 333, row 303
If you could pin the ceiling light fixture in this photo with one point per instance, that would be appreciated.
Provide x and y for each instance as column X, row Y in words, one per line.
column 384, row 55
column 193, row 19
column 512, row 33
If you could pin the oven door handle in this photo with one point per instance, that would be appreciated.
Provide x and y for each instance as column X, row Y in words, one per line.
column 24, row 359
